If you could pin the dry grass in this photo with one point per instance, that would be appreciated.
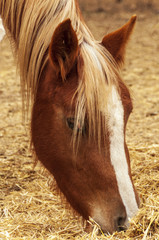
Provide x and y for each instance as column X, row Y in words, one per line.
column 29, row 210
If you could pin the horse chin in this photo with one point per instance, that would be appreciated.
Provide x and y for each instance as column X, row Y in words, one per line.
column 105, row 228
column 109, row 220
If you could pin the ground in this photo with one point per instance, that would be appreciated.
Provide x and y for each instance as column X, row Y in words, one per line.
column 29, row 209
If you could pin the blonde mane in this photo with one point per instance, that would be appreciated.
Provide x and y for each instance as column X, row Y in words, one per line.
column 30, row 24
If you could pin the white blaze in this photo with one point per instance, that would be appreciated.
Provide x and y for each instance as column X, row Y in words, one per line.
column 117, row 153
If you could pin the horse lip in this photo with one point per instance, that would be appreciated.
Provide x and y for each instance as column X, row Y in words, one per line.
column 101, row 229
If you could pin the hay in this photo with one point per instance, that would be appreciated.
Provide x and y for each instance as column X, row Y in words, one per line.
column 29, row 210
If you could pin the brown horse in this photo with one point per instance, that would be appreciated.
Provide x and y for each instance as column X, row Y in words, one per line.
column 80, row 105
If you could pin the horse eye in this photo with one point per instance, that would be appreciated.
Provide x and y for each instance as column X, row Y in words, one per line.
column 70, row 122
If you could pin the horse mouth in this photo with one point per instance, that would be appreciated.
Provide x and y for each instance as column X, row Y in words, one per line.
column 99, row 229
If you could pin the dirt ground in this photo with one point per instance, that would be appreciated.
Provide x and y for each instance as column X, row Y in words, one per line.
column 20, row 183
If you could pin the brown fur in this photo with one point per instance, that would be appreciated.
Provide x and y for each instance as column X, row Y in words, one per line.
column 116, row 41
column 64, row 48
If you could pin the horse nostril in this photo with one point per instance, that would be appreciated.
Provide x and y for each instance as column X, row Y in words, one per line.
column 121, row 224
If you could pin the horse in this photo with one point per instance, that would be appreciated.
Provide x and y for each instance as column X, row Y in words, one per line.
column 79, row 105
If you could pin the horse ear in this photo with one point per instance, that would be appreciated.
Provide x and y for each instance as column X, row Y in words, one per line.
column 63, row 49
column 115, row 42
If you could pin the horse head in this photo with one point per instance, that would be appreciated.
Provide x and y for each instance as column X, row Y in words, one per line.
column 88, row 158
